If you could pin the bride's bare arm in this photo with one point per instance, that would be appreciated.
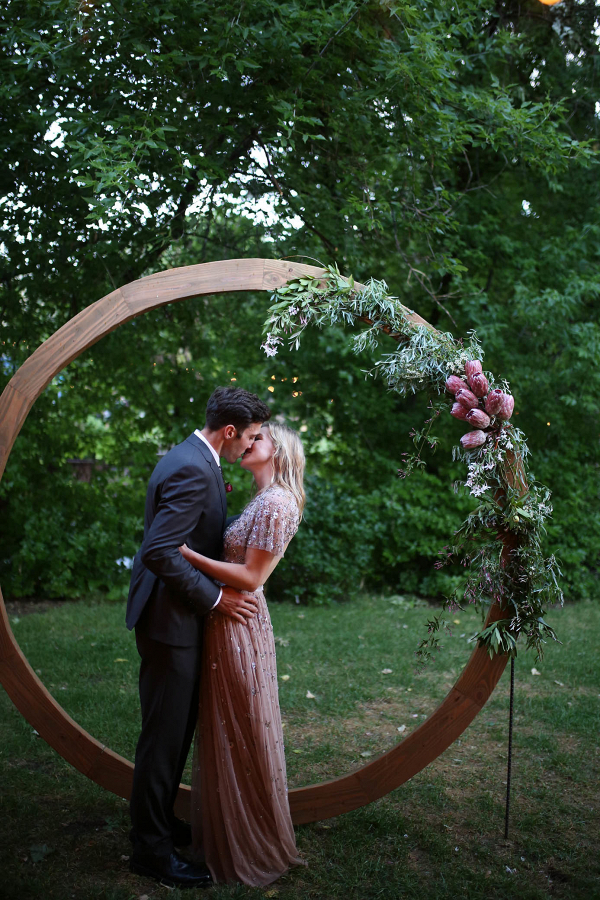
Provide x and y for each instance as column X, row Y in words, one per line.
column 246, row 576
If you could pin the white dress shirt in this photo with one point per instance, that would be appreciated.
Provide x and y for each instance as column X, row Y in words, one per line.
column 199, row 434
column 216, row 457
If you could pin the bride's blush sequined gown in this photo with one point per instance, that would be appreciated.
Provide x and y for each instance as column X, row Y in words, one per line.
column 240, row 812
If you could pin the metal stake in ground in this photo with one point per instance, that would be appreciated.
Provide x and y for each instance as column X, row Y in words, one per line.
column 510, row 735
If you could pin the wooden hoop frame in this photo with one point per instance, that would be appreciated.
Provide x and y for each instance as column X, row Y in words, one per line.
column 76, row 746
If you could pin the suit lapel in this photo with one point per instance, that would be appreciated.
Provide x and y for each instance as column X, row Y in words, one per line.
column 216, row 470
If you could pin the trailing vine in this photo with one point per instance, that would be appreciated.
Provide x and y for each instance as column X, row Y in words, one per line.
column 500, row 541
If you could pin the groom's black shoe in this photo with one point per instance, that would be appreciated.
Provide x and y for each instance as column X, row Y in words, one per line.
column 172, row 871
column 181, row 833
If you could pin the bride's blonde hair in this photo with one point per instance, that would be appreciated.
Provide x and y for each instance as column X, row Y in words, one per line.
column 288, row 460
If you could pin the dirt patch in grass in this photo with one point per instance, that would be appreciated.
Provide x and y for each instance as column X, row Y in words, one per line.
column 376, row 719
column 539, row 688
column 473, row 766
column 29, row 605
column 352, row 741
column 33, row 766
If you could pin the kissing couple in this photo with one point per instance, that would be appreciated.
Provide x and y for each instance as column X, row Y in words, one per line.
column 207, row 649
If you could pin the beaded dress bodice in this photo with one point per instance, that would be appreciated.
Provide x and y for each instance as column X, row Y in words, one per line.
column 268, row 522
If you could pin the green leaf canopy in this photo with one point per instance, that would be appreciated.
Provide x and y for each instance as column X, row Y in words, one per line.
column 448, row 148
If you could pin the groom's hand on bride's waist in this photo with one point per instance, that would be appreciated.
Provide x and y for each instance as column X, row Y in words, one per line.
column 237, row 605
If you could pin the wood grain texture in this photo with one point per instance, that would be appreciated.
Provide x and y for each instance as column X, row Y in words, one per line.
column 27, row 692
column 14, row 407
column 192, row 281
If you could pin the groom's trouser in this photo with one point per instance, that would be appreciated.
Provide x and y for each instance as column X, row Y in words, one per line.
column 169, row 678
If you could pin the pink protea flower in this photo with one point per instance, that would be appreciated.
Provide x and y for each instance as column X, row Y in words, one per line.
column 507, row 406
column 467, row 398
column 455, row 384
column 459, row 411
column 479, row 385
column 493, row 402
column 478, row 418
column 473, row 367
column 473, row 439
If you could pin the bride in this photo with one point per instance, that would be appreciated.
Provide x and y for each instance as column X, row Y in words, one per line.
column 241, row 820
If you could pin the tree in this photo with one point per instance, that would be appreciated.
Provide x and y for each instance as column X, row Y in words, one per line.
column 449, row 150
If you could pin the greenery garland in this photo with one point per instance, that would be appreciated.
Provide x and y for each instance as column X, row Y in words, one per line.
column 500, row 542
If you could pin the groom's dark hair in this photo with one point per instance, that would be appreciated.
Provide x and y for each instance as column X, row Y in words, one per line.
column 235, row 406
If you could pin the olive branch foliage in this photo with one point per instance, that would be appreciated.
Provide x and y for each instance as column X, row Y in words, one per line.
column 500, row 541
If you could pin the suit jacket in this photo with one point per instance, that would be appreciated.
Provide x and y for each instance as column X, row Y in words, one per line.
column 185, row 503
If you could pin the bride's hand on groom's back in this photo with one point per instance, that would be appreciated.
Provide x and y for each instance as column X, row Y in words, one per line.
column 237, row 605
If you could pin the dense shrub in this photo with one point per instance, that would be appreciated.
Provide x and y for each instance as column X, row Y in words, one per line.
column 70, row 538
column 386, row 538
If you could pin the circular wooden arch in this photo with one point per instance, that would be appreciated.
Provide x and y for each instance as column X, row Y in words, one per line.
column 76, row 746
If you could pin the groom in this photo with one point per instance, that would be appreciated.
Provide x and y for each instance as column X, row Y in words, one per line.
column 168, row 600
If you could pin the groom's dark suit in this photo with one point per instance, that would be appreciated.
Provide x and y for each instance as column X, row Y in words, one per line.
column 168, row 598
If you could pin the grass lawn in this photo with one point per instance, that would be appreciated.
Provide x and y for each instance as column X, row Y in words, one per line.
column 439, row 836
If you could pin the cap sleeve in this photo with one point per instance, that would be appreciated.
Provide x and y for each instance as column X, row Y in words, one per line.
column 275, row 521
